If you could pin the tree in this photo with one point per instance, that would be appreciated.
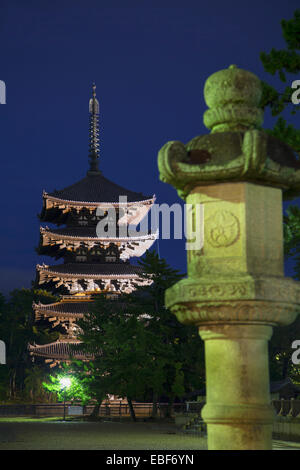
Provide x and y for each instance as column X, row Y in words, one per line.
column 184, row 371
column 74, row 390
column 123, row 350
column 281, row 365
column 281, row 351
column 17, row 330
column 33, row 382
column 283, row 62
column 286, row 63
column 141, row 350
column 86, row 374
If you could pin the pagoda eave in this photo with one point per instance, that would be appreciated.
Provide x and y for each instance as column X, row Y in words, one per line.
column 95, row 204
column 80, row 275
column 59, row 350
column 59, row 235
column 64, row 309
column 135, row 211
column 53, row 242
column 97, row 278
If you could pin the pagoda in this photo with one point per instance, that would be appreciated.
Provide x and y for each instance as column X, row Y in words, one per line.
column 92, row 264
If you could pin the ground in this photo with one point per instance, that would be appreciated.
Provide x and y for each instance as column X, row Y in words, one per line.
column 55, row 434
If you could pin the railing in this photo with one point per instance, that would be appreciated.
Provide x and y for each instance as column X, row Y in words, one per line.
column 290, row 408
column 286, row 425
column 112, row 410
column 283, row 408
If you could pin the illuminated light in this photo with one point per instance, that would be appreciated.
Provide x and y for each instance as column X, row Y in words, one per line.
column 65, row 382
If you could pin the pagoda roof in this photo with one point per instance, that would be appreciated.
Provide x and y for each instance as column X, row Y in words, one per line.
column 58, row 204
column 64, row 308
column 96, row 189
column 96, row 277
column 95, row 270
column 73, row 237
column 61, row 350
column 89, row 233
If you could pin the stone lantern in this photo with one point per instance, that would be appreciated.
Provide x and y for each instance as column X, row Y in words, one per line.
column 233, row 180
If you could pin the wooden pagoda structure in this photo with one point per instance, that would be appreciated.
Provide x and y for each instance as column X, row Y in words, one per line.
column 91, row 264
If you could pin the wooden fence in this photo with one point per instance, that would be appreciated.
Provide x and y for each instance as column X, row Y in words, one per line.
column 110, row 410
column 290, row 408
column 283, row 408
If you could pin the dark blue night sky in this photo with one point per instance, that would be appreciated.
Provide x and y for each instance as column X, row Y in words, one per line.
column 149, row 59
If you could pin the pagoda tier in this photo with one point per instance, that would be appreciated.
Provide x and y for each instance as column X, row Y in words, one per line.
column 65, row 313
column 63, row 310
column 85, row 197
column 82, row 244
column 60, row 350
column 72, row 307
column 83, row 277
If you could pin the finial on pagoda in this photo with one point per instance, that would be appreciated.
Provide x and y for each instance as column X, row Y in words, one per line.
column 94, row 134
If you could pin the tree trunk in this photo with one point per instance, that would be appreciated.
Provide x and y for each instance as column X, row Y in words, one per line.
column 169, row 409
column 131, row 409
column 154, row 405
column 95, row 412
column 13, row 384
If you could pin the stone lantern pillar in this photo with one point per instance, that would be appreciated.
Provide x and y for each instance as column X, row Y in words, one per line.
column 232, row 181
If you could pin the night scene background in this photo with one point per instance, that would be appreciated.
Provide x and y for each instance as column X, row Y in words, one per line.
column 149, row 60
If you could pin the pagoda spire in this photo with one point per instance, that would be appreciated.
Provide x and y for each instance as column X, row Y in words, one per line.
column 94, row 133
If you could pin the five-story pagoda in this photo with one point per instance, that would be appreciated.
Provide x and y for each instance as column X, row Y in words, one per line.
column 92, row 264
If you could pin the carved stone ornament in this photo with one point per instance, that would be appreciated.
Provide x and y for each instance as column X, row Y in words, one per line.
column 222, row 229
column 235, row 288
column 201, row 313
column 213, row 300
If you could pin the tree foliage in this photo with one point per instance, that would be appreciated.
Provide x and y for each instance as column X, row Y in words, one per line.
column 17, row 330
column 142, row 351
column 76, row 390
column 285, row 64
